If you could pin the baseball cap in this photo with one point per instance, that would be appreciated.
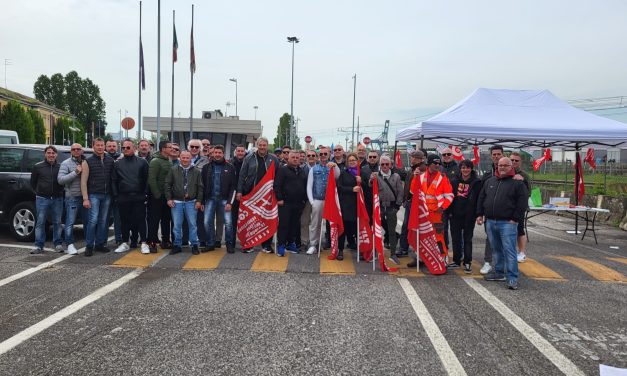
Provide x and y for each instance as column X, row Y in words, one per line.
column 433, row 158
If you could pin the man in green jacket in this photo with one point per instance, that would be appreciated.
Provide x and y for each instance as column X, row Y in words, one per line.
column 184, row 192
column 158, row 209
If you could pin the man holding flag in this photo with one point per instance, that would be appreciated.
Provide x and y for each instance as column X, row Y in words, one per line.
column 253, row 171
column 438, row 196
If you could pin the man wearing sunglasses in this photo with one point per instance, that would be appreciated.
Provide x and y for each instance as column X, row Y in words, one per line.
column 159, row 211
column 285, row 152
column 316, row 190
column 70, row 177
column 338, row 157
column 449, row 167
column 129, row 177
column 194, row 146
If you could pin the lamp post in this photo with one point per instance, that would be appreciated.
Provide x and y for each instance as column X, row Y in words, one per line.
column 235, row 80
column 256, row 107
column 293, row 41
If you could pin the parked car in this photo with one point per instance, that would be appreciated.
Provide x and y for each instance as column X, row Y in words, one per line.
column 9, row 137
column 17, row 197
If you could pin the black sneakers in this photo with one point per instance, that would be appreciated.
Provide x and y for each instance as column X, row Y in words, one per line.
column 175, row 250
column 453, row 265
column 89, row 251
column 494, row 277
column 467, row 269
column 195, row 250
column 102, row 248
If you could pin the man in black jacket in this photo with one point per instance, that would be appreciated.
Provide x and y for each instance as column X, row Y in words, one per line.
column 501, row 205
column 49, row 199
column 237, row 161
column 496, row 153
column 129, row 178
column 218, row 177
column 290, row 187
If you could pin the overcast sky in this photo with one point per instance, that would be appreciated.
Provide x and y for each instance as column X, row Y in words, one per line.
column 412, row 58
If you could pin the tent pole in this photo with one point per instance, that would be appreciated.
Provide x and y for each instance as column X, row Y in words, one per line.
column 577, row 177
column 422, row 143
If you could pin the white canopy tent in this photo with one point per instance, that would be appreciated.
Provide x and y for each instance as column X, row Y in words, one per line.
column 518, row 118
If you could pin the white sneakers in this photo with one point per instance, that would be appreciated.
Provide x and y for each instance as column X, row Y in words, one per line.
column 312, row 250
column 122, row 248
column 71, row 250
column 486, row 268
column 145, row 248
column 521, row 257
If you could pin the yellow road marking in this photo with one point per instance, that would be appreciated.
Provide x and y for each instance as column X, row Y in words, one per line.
column 205, row 261
column 618, row 259
column 475, row 267
column 533, row 269
column 270, row 262
column 596, row 270
column 136, row 259
column 345, row 266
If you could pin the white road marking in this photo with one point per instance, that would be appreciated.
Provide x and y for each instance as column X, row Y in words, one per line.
column 45, row 265
column 444, row 351
column 49, row 321
column 557, row 358
column 23, row 246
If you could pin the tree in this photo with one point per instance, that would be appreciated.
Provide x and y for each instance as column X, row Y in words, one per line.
column 80, row 97
column 13, row 117
column 282, row 135
column 67, row 131
column 39, row 128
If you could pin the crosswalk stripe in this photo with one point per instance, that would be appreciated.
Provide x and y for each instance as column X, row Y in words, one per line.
column 205, row 261
column 136, row 259
column 448, row 358
column 618, row 259
column 594, row 269
column 533, row 269
column 270, row 262
column 557, row 358
column 332, row 267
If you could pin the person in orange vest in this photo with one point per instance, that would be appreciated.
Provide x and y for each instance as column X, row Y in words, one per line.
column 439, row 196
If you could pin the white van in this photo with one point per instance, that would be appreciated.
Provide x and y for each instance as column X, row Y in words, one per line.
column 9, row 137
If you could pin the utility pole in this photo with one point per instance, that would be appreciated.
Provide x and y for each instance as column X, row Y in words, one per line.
column 293, row 41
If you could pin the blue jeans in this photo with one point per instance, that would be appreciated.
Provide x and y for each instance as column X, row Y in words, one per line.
column 502, row 235
column 98, row 225
column 211, row 206
column 48, row 208
column 188, row 210
column 73, row 206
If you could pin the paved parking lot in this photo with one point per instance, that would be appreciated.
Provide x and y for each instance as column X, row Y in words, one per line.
column 220, row 313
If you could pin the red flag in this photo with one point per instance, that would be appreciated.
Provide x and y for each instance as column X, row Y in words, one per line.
column 378, row 229
column 457, row 153
column 590, row 158
column 258, row 217
column 475, row 152
column 364, row 232
column 428, row 249
column 331, row 212
column 397, row 159
column 175, row 45
column 580, row 188
column 192, row 61
column 546, row 157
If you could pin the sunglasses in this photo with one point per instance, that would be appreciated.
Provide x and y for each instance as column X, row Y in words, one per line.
column 338, row 149
column 285, row 152
column 372, row 157
column 205, row 144
column 324, row 153
column 194, row 147
column 515, row 160
column 76, row 149
column 435, row 163
column 126, row 148
column 311, row 156
column 176, row 149
column 385, row 164
column 447, row 154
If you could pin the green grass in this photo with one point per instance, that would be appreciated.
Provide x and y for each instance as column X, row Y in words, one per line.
column 612, row 185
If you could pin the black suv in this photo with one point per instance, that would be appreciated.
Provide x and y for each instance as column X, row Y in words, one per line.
column 17, row 197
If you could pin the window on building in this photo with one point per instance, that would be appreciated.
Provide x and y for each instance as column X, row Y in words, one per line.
column 218, row 139
column 237, row 139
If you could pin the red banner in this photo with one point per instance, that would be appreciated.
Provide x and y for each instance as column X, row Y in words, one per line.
column 397, row 159
column 364, row 231
column 457, row 153
column 332, row 213
column 546, row 157
column 426, row 246
column 475, row 152
column 580, row 188
column 378, row 229
column 258, row 213
column 590, row 158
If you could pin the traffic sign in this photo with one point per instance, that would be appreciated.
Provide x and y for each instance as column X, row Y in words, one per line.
column 128, row 123
column 308, row 139
column 366, row 140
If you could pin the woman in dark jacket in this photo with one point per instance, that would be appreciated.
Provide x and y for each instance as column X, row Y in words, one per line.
column 466, row 188
column 351, row 181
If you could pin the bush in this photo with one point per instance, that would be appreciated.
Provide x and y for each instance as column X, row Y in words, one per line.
column 14, row 117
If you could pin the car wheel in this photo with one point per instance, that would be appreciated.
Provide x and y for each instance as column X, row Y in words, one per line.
column 22, row 224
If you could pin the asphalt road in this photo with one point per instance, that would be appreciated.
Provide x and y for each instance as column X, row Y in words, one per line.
column 259, row 314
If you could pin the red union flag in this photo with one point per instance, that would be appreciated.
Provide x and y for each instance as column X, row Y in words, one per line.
column 590, row 158
column 457, row 153
column 364, row 232
column 545, row 157
column 378, row 230
column 418, row 221
column 331, row 212
column 258, row 213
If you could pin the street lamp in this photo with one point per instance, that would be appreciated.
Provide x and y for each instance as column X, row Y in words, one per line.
column 235, row 80
column 293, row 41
column 256, row 107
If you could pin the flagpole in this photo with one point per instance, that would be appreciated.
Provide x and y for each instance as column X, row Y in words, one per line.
column 374, row 258
column 139, row 110
column 192, row 69
column 173, row 46
column 357, row 230
column 158, row 71
column 320, row 237
column 417, row 248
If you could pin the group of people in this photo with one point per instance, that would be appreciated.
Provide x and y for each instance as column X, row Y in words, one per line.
column 193, row 196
